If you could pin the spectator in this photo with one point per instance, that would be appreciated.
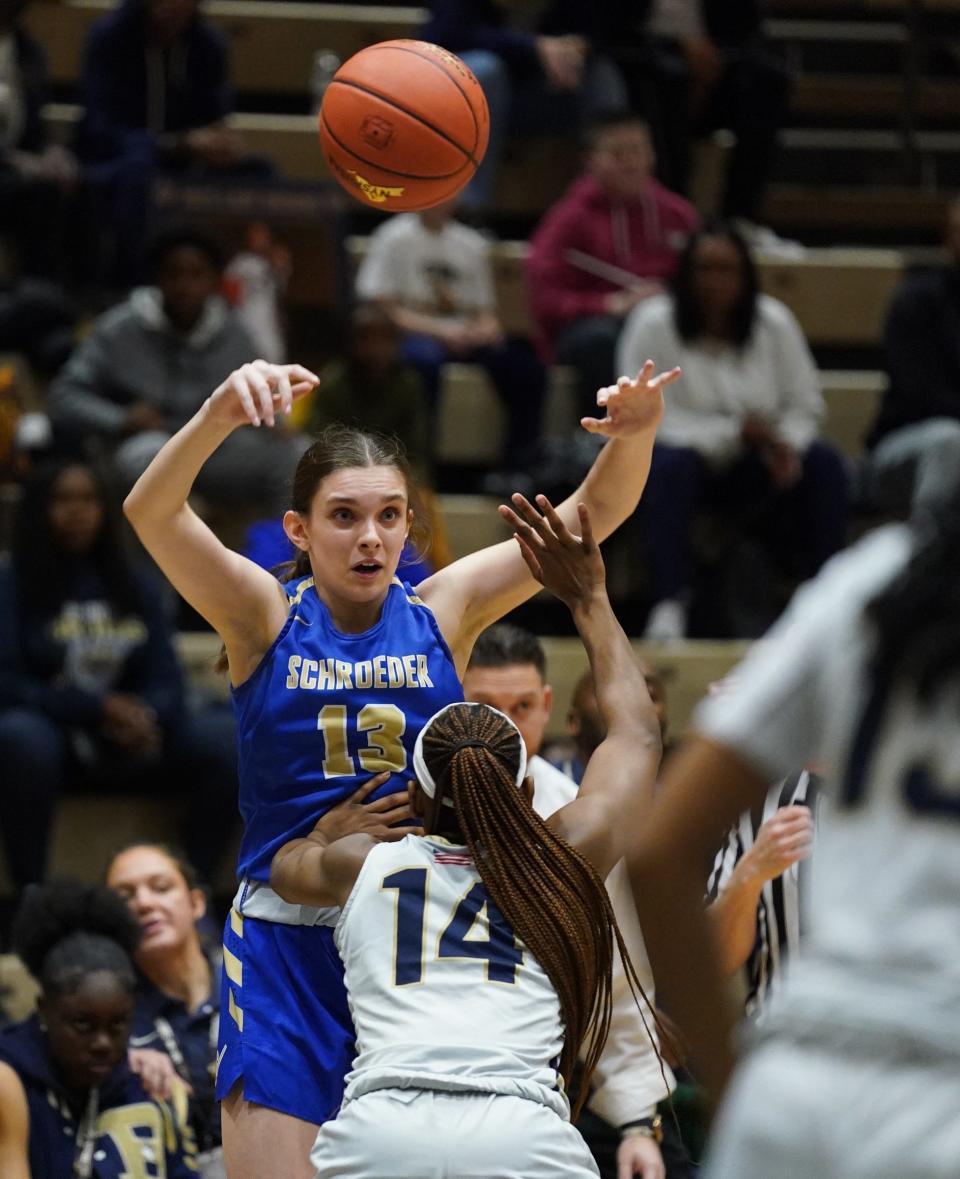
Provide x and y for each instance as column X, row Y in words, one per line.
column 177, row 1000
column 90, row 689
column 37, row 178
column 149, row 364
column 71, row 1105
column 756, row 889
column 740, row 432
column 537, row 67
column 433, row 277
column 915, row 442
column 609, row 243
column 586, row 730
column 373, row 388
column 507, row 670
column 697, row 66
column 156, row 95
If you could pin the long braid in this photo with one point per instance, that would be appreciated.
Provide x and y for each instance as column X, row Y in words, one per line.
column 548, row 892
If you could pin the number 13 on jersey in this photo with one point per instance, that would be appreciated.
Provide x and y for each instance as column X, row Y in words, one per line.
column 381, row 725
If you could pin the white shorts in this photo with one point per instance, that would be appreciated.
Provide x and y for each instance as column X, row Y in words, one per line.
column 802, row 1112
column 426, row 1134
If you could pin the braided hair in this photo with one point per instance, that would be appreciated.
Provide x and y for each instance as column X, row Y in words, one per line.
column 66, row 931
column 916, row 616
column 549, row 893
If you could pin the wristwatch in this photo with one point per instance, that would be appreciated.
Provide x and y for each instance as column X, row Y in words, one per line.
column 644, row 1128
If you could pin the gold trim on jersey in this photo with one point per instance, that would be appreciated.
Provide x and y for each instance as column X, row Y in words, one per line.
column 235, row 1010
column 294, row 599
column 233, row 966
column 411, row 598
column 236, row 922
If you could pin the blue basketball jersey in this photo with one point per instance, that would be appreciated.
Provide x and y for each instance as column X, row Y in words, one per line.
column 326, row 710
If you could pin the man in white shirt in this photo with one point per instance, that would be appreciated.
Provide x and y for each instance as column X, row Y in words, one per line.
column 432, row 276
column 507, row 670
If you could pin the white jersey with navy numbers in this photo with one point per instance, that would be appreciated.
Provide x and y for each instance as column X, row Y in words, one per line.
column 883, row 950
column 442, row 994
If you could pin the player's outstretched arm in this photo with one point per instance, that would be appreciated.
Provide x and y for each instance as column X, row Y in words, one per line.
column 322, row 868
column 475, row 591
column 617, row 787
column 241, row 601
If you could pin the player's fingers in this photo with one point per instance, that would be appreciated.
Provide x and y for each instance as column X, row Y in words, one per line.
column 586, row 528
column 397, row 814
column 239, row 385
column 283, row 393
column 597, row 426
column 555, row 522
column 300, row 375
column 647, row 370
column 260, row 388
column 369, row 786
column 511, row 517
column 528, row 521
column 530, row 558
column 667, row 378
column 387, row 802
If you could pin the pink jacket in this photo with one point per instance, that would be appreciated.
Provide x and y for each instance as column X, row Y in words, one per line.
column 643, row 237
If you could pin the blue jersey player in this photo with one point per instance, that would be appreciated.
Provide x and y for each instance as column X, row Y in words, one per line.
column 334, row 670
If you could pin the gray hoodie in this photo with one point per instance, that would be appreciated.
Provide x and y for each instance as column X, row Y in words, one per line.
column 133, row 354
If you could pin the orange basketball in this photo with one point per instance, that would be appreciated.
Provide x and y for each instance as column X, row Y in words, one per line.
column 404, row 125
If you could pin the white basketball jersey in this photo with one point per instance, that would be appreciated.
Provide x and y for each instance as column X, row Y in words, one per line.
column 443, row 996
column 884, row 939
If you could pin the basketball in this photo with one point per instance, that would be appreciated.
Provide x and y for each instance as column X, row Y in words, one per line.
column 403, row 125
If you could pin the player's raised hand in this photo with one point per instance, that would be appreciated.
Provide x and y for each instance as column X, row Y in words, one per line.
column 632, row 406
column 357, row 816
column 569, row 566
column 255, row 393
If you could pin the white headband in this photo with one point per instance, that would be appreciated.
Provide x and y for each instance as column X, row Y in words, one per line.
column 423, row 775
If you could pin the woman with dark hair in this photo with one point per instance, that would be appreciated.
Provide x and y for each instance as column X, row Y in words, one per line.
column 740, row 431
column 478, row 955
column 335, row 665
column 91, row 693
column 857, row 1072
column 69, row 1105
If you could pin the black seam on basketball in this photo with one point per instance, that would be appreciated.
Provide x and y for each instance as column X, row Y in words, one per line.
column 436, row 65
column 380, row 167
column 391, row 101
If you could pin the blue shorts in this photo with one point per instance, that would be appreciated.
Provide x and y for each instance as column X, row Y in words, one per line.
column 285, row 1026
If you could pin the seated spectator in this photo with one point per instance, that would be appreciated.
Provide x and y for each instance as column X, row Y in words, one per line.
column 739, row 430
column 149, row 364
column 91, row 693
column 537, row 66
column 915, row 442
column 756, row 888
column 177, row 1000
column 71, row 1106
column 155, row 90
column 507, row 670
column 609, row 243
column 432, row 275
column 37, row 179
column 373, row 388
column 698, row 66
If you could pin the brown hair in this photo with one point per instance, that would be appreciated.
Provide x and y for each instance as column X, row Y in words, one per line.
column 548, row 892
column 176, row 857
column 338, row 448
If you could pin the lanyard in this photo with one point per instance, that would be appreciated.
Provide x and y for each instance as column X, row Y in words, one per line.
column 87, row 1138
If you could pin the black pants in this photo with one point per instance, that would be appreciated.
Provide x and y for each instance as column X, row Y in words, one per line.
column 604, row 1139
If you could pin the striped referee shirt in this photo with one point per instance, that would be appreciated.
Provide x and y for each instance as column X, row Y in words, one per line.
column 780, row 910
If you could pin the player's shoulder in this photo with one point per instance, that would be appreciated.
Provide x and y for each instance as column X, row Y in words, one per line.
column 850, row 578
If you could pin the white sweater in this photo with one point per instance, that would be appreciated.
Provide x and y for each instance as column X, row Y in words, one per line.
column 774, row 377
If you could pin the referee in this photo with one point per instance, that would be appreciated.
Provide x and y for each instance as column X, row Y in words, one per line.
column 757, row 887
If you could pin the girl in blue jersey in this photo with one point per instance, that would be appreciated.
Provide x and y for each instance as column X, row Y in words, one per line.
column 69, row 1104
column 334, row 671
column 478, row 956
